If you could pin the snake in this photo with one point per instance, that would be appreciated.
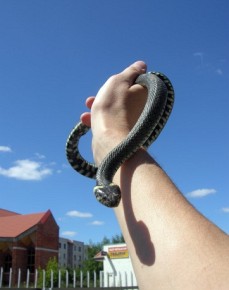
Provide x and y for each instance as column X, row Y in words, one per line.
column 154, row 116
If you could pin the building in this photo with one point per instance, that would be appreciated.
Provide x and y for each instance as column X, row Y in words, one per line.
column 117, row 266
column 71, row 253
column 26, row 242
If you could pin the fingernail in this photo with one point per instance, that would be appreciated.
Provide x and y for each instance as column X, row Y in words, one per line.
column 140, row 65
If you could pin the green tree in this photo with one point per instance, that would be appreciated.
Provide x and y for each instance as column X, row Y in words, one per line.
column 90, row 264
column 51, row 267
column 117, row 239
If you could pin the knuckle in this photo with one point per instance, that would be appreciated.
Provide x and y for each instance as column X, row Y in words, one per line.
column 114, row 79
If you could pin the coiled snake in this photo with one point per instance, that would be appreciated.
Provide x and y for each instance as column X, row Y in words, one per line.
column 152, row 120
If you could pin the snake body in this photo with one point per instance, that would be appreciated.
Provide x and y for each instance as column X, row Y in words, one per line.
column 152, row 120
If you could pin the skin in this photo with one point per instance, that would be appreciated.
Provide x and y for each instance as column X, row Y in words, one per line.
column 171, row 244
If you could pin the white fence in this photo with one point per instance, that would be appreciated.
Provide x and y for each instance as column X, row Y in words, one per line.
column 63, row 279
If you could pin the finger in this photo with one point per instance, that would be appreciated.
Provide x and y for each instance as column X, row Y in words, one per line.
column 86, row 119
column 133, row 71
column 138, row 90
column 89, row 102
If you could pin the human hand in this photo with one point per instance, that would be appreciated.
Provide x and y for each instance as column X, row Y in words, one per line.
column 115, row 109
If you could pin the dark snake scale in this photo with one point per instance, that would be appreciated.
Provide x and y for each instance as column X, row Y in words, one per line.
column 152, row 120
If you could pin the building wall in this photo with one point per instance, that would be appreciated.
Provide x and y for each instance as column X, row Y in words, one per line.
column 71, row 253
column 42, row 240
column 19, row 261
column 31, row 249
column 47, row 241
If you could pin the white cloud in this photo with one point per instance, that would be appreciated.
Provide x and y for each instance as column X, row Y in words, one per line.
column 225, row 209
column 65, row 165
column 75, row 213
column 5, row 149
column 219, row 71
column 97, row 223
column 68, row 233
column 200, row 55
column 26, row 170
column 40, row 156
column 201, row 192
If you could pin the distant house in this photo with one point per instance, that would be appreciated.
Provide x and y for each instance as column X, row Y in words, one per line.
column 26, row 242
column 117, row 266
column 71, row 253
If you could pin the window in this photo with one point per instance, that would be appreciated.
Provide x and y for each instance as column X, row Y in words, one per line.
column 31, row 259
column 59, row 245
column 7, row 262
column 64, row 246
column 79, row 249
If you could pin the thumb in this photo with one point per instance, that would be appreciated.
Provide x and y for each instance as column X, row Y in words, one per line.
column 133, row 71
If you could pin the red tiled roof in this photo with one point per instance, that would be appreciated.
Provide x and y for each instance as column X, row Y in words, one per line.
column 99, row 256
column 13, row 225
column 4, row 212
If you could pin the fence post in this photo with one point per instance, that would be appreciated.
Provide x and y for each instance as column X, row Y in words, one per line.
column 74, row 279
column 10, row 278
column 101, row 279
column 66, row 278
column 94, row 279
column 1, row 276
column 19, row 278
column 114, row 280
column 59, row 278
column 27, row 278
column 81, row 279
column 35, row 278
column 120, row 279
column 51, row 286
column 43, row 279
column 132, row 279
column 126, row 282
column 88, row 279
column 108, row 280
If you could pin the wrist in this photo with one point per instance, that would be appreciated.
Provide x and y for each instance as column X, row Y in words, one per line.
column 104, row 143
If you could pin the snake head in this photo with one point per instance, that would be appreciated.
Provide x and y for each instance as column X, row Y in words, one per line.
column 108, row 195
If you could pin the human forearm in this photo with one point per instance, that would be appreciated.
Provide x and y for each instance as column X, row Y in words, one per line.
column 165, row 235
column 171, row 244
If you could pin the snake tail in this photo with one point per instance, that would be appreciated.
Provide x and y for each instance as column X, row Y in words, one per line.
column 74, row 157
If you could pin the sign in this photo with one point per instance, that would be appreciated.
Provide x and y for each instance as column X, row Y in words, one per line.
column 118, row 252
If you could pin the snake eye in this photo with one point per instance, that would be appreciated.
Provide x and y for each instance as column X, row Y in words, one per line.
column 108, row 195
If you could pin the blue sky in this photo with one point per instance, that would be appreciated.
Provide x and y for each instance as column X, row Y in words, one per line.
column 54, row 54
